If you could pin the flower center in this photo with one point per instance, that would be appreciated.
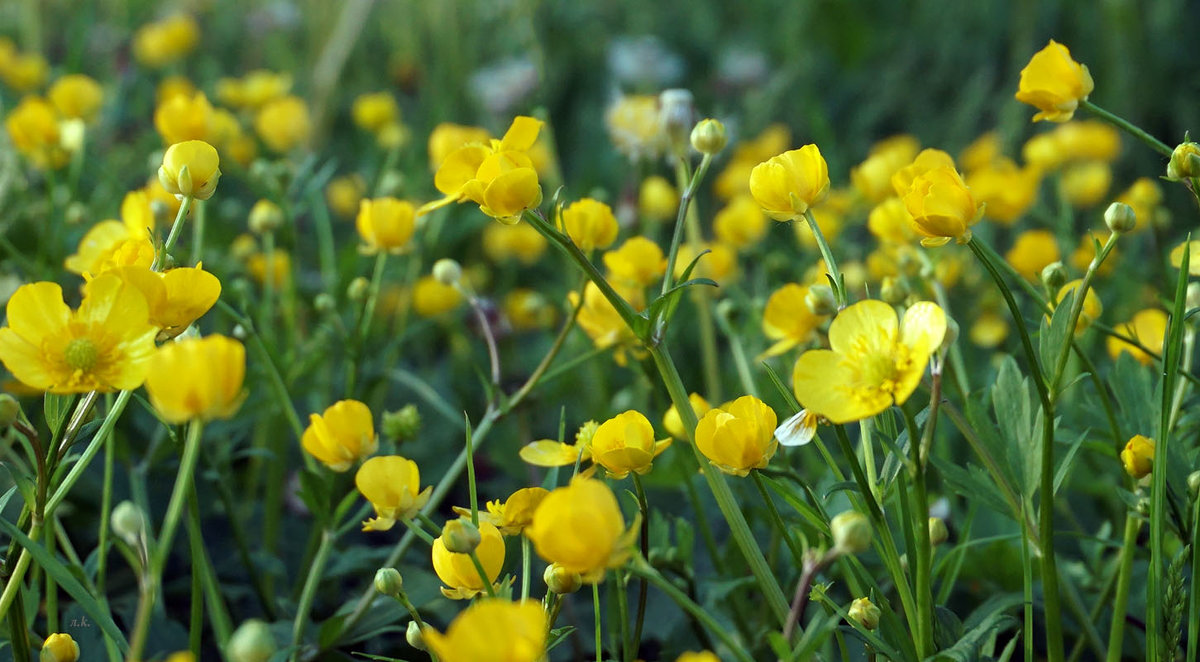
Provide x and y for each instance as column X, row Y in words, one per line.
column 879, row 370
column 81, row 354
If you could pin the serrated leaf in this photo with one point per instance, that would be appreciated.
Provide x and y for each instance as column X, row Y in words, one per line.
column 988, row 619
column 1053, row 336
column 972, row 482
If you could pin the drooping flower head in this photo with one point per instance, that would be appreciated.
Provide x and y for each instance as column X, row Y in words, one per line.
column 341, row 435
column 197, row 379
column 393, row 486
column 739, row 436
column 1054, row 83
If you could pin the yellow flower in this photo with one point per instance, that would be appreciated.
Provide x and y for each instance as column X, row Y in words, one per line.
column 25, row 72
column 741, row 223
column 891, row 223
column 173, row 85
column 873, row 361
column 719, row 263
column 375, row 111
column 1176, row 256
column 181, row 118
column 1088, row 140
column 59, row 647
column 926, row 160
column 492, row 630
column 1032, row 251
column 104, row 345
column 137, row 213
column 98, row 249
column 385, row 224
column 1054, row 83
column 1092, row 307
column 254, row 90
column 673, row 422
column 1148, row 327
column 341, row 435
column 942, row 207
column 393, row 486
column 788, row 184
column 1085, row 184
column 873, row 177
column 590, row 224
column 33, row 127
column 283, row 123
column 76, row 96
column 988, row 330
column 458, row 572
column 446, row 138
column 345, row 193
column 602, row 323
column 657, row 199
column 702, row 656
column 278, row 268
column 524, row 308
column 788, row 320
column 1144, row 195
column 981, row 153
column 176, row 298
column 511, row 516
column 498, row 176
column 190, row 169
column 580, row 527
column 637, row 263
column 739, row 436
column 1138, row 457
column 197, row 378
column 626, row 443
column 432, row 298
column 1006, row 190
column 633, row 125
column 735, row 178
column 520, row 241
column 158, row 44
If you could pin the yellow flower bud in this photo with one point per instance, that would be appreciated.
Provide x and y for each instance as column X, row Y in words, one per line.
column 657, row 199
column 385, row 224
column 626, row 443
column 186, row 117
column 581, row 528
column 190, row 169
column 344, row 194
column 158, row 44
column 460, row 536
column 1054, row 83
column 864, row 613
column 432, row 298
column 1033, row 251
column 373, row 112
column 456, row 569
column 851, row 532
column 590, row 224
column 197, row 378
column 739, row 436
column 265, row 216
column 788, row 184
column 672, row 421
column 391, row 483
column 741, row 223
column 59, row 647
column 1138, row 457
column 942, row 207
column 1185, row 162
column 708, row 136
column 342, row 435
column 561, row 581
column 472, row 637
column 283, row 123
column 639, row 262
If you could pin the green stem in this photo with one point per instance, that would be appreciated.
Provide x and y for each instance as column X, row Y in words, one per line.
column 198, row 232
column 13, row 585
column 160, row 257
column 267, row 307
column 685, row 198
column 471, row 474
column 526, row 568
column 596, row 614
column 644, row 509
column 835, row 276
column 368, row 314
column 627, row 647
column 1116, row 632
column 919, row 522
column 310, row 590
column 1128, row 127
column 183, row 484
column 89, row 453
column 777, row 519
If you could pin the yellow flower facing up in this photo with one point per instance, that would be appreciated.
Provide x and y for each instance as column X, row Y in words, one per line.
column 739, row 436
column 1032, row 251
column 580, row 527
column 283, row 124
column 190, row 169
column 59, row 647
column 521, row 242
column 873, row 362
column 34, row 129
column 741, row 223
column 1138, row 457
column 385, row 224
column 106, row 345
column 158, row 44
column 197, row 379
column 1092, row 307
column 372, row 112
column 1148, row 327
column 788, row 320
column 788, row 184
column 639, row 262
column 626, row 443
column 393, row 486
column 673, row 422
column 1054, row 83
column 657, row 199
column 590, row 223
column 513, row 515
column 176, row 298
column 185, row 117
column 458, row 572
column 341, row 435
column 492, row 630
column 942, row 207
column 498, row 176
column 77, row 96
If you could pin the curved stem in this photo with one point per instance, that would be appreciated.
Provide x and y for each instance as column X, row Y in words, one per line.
column 160, row 257
column 835, row 275
column 1128, row 127
column 310, row 590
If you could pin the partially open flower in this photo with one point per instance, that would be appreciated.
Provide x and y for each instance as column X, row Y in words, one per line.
column 1054, row 83
column 190, row 169
column 341, row 435
column 393, row 486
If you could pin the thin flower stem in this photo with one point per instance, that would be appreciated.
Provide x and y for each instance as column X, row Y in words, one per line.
column 1116, row 632
column 89, row 453
column 1128, row 127
column 596, row 617
column 777, row 519
column 198, row 232
column 304, row 607
column 13, row 585
column 685, row 199
column 811, row 566
column 644, row 509
column 160, row 257
column 267, row 307
column 417, row 531
column 368, row 313
column 626, row 647
column 835, row 275
column 1077, row 301
column 919, row 514
column 526, row 568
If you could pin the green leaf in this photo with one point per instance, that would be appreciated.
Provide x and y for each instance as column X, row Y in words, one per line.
column 972, row 482
column 557, row 636
column 1013, row 406
column 65, row 579
column 56, row 409
column 988, row 619
column 1064, row 466
column 1052, row 339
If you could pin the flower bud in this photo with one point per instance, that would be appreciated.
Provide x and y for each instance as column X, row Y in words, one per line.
column 389, row 582
column 190, row 169
column 324, row 303
column 1185, row 162
column 461, row 536
column 265, row 216
column 10, row 410
column 76, row 213
column 820, row 300
column 560, row 580
column 938, row 533
column 447, row 271
column 851, row 532
column 128, row 522
column 1054, row 275
column 1120, row 217
column 893, row 290
column 676, row 116
column 59, row 648
column 863, row 612
column 402, row 424
column 391, row 183
column 1138, row 457
column 251, row 642
column 709, row 136
column 358, row 288
column 414, row 637
column 1193, row 482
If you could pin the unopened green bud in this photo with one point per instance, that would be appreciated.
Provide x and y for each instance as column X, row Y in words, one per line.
column 1193, row 482
column 389, row 582
column 1120, row 217
column 1054, row 275
column 447, row 271
column 938, row 533
column 391, row 183
column 358, row 288
column 414, row 636
column 265, row 216
column 709, row 137
column 460, row 536
column 1185, row 162
column 128, row 522
column 560, row 580
column 402, row 424
column 863, row 612
column 324, row 303
column 851, row 532
column 76, row 213
column 893, row 290
column 251, row 642
column 820, row 300
column 10, row 410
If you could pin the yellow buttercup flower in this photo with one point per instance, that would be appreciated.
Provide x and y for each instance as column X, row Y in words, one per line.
column 277, row 268
column 137, row 213
column 341, row 435
column 739, row 436
column 526, row 309
column 181, row 118
column 107, row 245
column 492, row 630
column 1032, row 251
column 1087, row 140
column 735, row 178
column 34, row 129
column 788, row 184
column 1086, row 184
column 788, row 320
column 580, row 527
column 1148, row 327
column 989, row 330
column 513, row 515
column 173, row 85
column 431, row 297
column 1138, row 457
column 190, row 169
column 520, row 241
column 633, row 125
column 639, row 262
column 176, row 298
column 626, row 443
column 345, row 193
column 1006, row 190
column 1054, row 83
column 873, row 177
column 657, row 199
column 393, row 486
column 158, row 44
column 673, row 422
column 372, row 112
column 105, row 345
column 701, row 656
column 385, row 224
column 1092, row 307
column 590, row 224
column 926, row 160
column 601, row 322
column 551, row 453
column 76, row 96
column 741, row 223
column 873, row 361
column 498, row 176
column 197, row 378
column 458, row 572
column 942, row 207
column 59, row 647
column 891, row 223
column 283, row 123
column 25, row 72
column 254, row 90
column 981, row 153
column 447, row 138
